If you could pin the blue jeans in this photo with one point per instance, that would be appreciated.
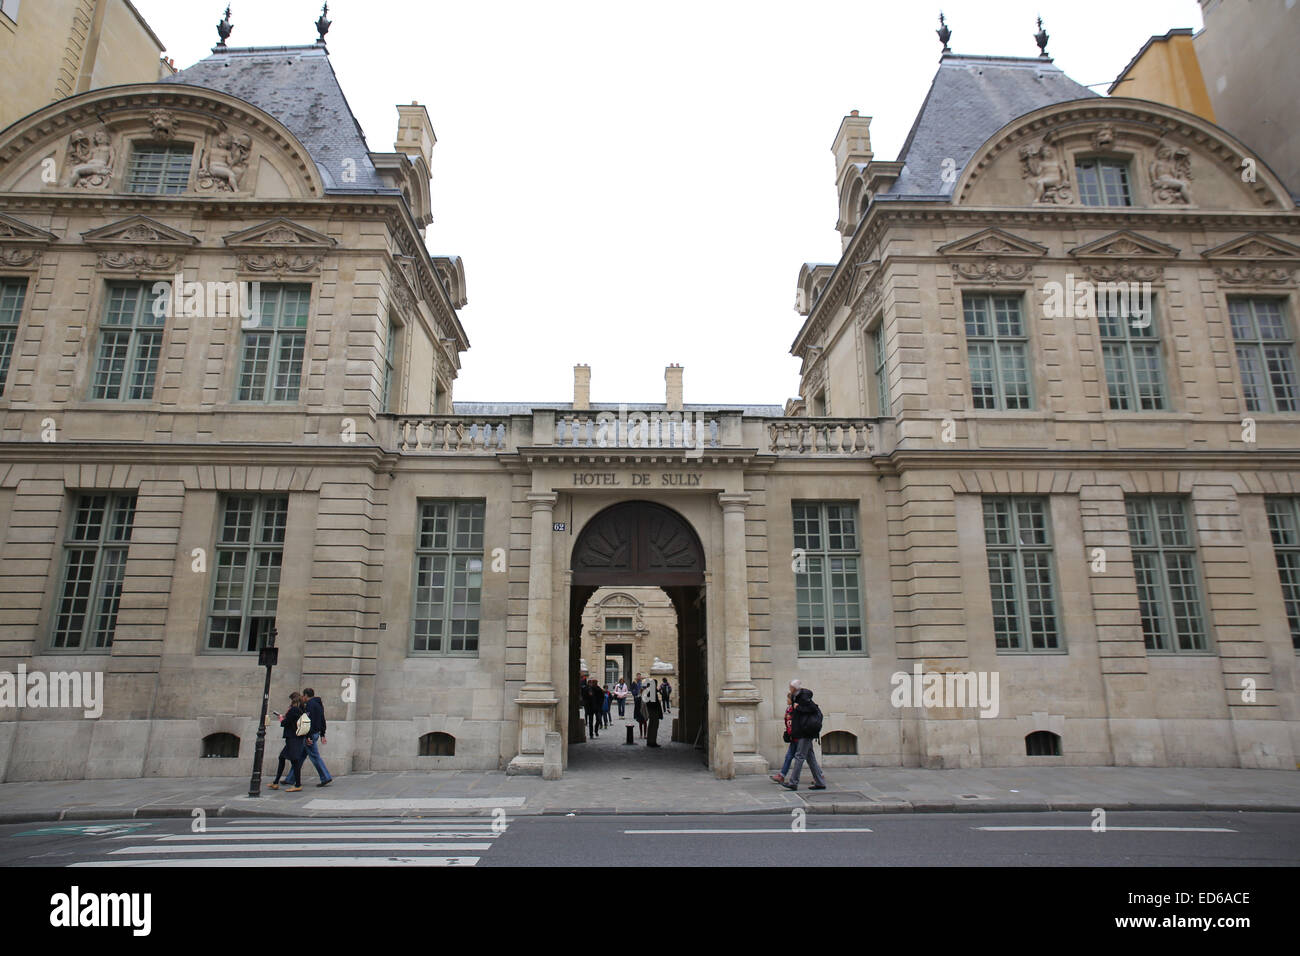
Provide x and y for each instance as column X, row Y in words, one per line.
column 313, row 754
column 789, row 755
column 805, row 752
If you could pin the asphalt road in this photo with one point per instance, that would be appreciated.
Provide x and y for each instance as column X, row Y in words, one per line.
column 1131, row 839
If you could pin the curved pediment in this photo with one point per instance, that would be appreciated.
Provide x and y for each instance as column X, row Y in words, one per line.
column 156, row 139
column 1152, row 155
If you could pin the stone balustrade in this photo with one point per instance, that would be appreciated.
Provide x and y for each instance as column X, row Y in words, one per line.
column 820, row 436
column 636, row 429
column 452, row 435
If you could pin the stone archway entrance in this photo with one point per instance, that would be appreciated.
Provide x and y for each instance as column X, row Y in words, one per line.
column 642, row 543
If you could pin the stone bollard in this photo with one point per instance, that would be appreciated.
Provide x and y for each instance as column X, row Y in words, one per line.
column 724, row 756
column 552, row 768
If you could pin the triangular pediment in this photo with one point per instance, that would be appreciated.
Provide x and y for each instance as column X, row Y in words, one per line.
column 1254, row 245
column 993, row 242
column 138, row 230
column 1125, row 244
column 15, row 230
column 281, row 233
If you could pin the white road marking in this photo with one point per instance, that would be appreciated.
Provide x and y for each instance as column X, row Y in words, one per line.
column 287, row 847
column 333, row 828
column 757, row 830
column 1109, row 828
column 333, row 835
column 298, row 861
column 416, row 803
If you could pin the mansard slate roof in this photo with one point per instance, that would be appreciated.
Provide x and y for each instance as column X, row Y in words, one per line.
column 296, row 85
column 971, row 98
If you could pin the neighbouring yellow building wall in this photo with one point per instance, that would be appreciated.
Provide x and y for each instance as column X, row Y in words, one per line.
column 57, row 48
column 1167, row 71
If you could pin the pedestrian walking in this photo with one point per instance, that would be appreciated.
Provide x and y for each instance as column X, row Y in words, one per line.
column 296, row 730
column 665, row 695
column 792, row 744
column 620, row 695
column 806, row 727
column 606, row 699
column 653, row 711
column 316, row 711
column 294, row 700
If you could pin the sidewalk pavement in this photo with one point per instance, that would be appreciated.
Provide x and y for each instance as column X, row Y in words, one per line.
column 653, row 787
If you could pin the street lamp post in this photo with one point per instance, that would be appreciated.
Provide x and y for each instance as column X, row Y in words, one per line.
column 267, row 656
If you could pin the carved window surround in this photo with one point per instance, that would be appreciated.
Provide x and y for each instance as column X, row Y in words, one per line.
column 279, row 248
column 22, row 244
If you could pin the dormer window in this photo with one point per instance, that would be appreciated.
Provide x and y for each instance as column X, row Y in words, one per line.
column 1103, row 182
column 159, row 170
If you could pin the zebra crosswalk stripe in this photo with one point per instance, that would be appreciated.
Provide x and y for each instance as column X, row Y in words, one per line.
column 366, row 841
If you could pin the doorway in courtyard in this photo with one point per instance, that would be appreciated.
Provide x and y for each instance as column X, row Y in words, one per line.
column 637, row 604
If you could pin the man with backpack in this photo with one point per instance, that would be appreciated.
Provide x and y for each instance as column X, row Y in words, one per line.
column 805, row 727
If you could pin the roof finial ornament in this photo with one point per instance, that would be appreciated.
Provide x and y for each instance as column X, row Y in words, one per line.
column 323, row 24
column 224, row 29
column 1041, row 38
column 944, row 33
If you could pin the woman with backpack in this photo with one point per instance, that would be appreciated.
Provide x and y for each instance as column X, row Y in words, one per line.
column 295, row 742
column 805, row 727
column 294, row 699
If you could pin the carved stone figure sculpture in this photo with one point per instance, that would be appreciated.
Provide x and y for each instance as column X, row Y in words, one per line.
column 92, row 165
column 225, row 163
column 1171, row 171
column 1046, row 173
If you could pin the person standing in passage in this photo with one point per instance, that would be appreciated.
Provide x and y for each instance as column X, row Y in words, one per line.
column 316, row 710
column 651, row 708
column 638, row 708
column 806, row 727
column 605, row 699
column 793, row 744
column 665, row 695
column 620, row 695
column 591, row 701
column 294, row 700
column 295, row 746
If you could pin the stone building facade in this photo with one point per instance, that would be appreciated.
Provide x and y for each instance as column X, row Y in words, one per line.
column 51, row 49
column 1094, row 517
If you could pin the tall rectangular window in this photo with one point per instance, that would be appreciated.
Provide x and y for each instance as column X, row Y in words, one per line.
column 1103, row 182
column 998, row 349
column 130, row 341
column 1284, row 529
column 827, row 593
column 882, row 380
column 159, row 170
column 12, row 294
column 448, row 577
column 1130, row 350
column 246, row 586
column 1265, row 354
column 1018, row 541
column 94, row 566
column 1164, row 563
column 271, row 366
column 390, row 357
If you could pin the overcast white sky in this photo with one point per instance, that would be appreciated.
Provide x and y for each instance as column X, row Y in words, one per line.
column 637, row 184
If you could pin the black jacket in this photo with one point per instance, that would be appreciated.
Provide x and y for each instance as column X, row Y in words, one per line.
column 316, row 710
column 806, row 721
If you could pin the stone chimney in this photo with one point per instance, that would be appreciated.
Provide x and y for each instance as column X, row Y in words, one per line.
column 852, row 144
column 581, row 388
column 415, row 134
column 673, row 380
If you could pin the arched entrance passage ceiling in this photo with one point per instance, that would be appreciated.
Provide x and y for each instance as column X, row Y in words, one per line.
column 638, row 542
